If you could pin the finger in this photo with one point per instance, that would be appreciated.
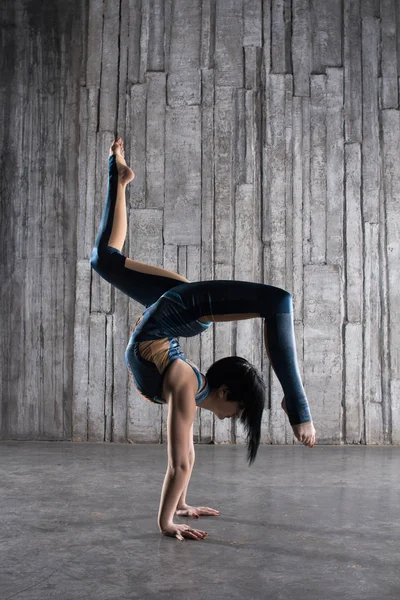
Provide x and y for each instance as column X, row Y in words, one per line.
column 179, row 537
column 191, row 535
column 203, row 533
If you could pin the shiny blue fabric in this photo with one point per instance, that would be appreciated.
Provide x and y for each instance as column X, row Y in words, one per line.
column 147, row 378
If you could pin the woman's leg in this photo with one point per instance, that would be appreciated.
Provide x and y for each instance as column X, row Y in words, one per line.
column 144, row 283
column 225, row 300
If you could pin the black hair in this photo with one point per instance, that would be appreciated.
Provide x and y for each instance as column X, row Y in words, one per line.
column 246, row 387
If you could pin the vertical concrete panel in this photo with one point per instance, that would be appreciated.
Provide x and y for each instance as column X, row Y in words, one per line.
column 137, row 154
column 252, row 149
column 280, row 36
column 395, row 410
column 109, row 378
column 306, row 174
column 318, row 149
column 352, row 71
column 297, row 224
column 390, row 71
column 109, row 92
column 26, row 414
column 94, row 43
column 306, row 183
column 252, row 23
column 184, row 77
column 323, row 349
column 155, row 140
column 228, row 58
column 372, row 314
column 142, row 10
column 335, row 167
column 289, row 181
column 239, row 167
column 123, row 85
column 183, row 176
column 391, row 217
column 372, row 320
column 97, row 377
column 224, row 159
column 301, row 47
column 353, row 399
column 82, row 178
column 384, row 324
column 370, row 132
column 155, row 58
column 135, row 49
column 207, row 39
column 354, row 234
column 252, row 67
column 326, row 22
column 53, row 345
column 370, row 8
column 398, row 36
column 274, row 215
column 81, row 352
column 267, row 33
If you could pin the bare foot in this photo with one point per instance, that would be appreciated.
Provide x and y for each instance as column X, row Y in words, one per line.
column 304, row 432
column 125, row 174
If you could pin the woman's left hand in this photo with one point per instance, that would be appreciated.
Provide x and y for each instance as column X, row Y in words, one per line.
column 195, row 511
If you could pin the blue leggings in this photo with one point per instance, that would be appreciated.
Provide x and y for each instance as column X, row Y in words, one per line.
column 218, row 297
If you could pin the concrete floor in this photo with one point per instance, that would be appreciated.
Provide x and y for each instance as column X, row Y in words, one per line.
column 79, row 521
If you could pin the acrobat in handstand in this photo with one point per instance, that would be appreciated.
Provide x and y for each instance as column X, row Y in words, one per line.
column 160, row 371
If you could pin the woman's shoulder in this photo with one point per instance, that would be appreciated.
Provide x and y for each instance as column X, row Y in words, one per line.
column 178, row 375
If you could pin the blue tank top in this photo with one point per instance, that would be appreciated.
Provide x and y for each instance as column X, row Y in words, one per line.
column 153, row 346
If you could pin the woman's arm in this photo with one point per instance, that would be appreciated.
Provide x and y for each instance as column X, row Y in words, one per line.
column 192, row 456
column 181, row 413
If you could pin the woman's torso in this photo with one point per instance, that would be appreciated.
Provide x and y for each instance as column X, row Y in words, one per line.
column 153, row 348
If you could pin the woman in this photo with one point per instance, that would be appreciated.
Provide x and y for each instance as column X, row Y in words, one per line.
column 160, row 371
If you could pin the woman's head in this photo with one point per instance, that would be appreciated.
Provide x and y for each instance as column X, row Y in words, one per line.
column 240, row 391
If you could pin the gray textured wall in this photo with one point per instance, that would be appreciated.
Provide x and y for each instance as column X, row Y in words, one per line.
column 265, row 141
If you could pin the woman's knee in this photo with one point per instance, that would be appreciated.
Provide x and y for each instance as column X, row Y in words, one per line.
column 106, row 259
column 277, row 300
column 285, row 302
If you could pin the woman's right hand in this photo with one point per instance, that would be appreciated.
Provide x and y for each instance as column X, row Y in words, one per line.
column 183, row 531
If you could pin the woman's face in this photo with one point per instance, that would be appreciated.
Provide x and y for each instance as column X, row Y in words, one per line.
column 228, row 409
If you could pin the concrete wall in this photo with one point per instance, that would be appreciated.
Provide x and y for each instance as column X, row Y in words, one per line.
column 265, row 141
